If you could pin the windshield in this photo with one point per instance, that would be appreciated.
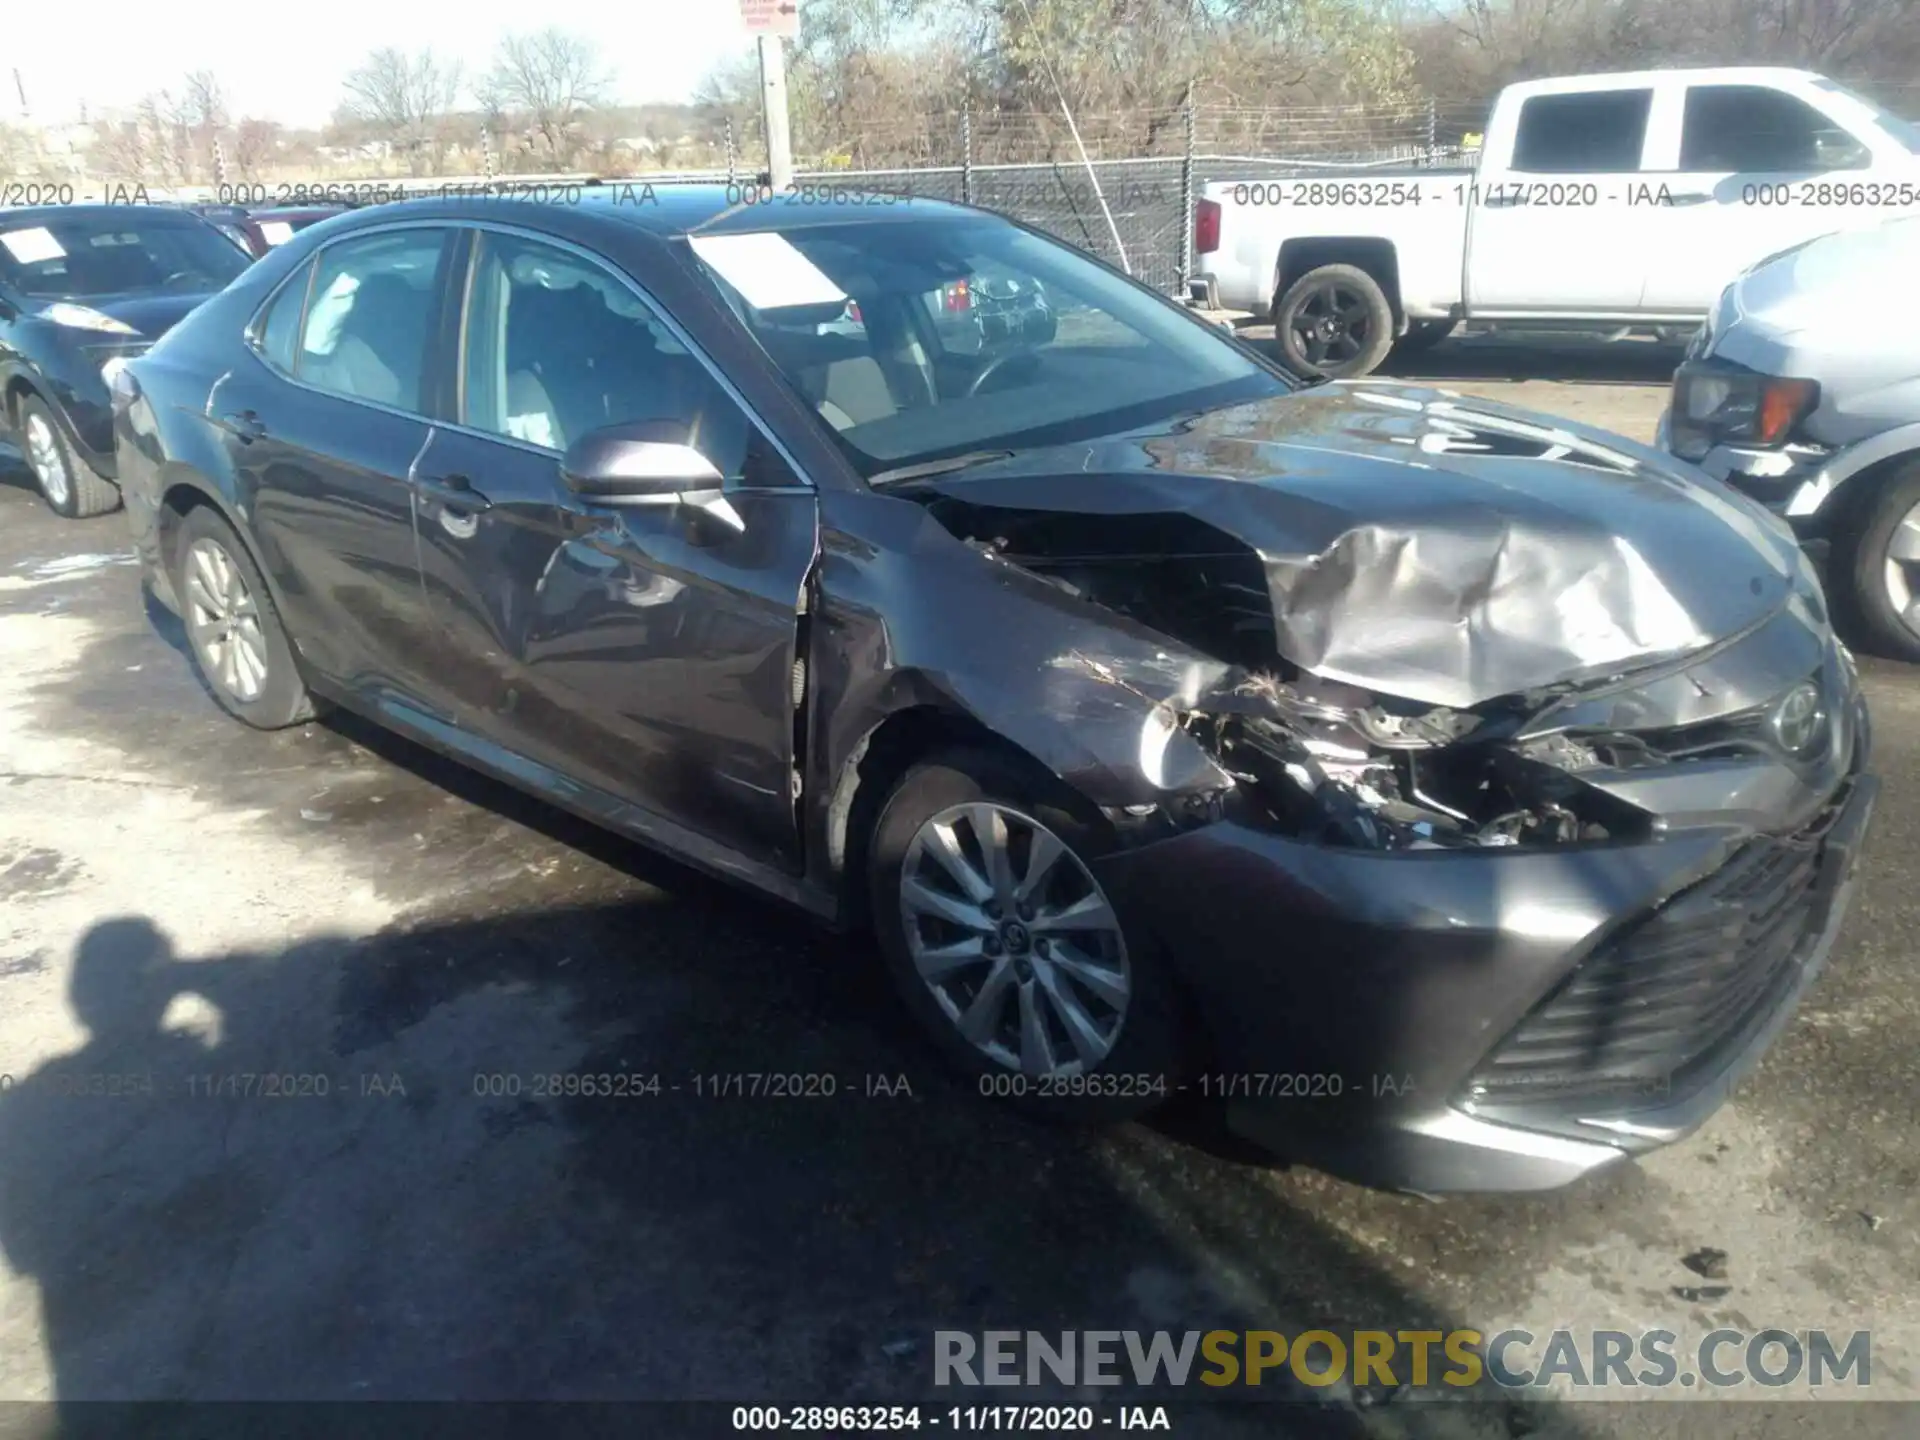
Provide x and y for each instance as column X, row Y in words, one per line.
column 918, row 340
column 71, row 258
column 1904, row 131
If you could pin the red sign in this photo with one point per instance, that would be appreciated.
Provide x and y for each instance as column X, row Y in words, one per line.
column 771, row 17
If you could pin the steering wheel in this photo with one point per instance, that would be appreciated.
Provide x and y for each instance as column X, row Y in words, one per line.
column 994, row 367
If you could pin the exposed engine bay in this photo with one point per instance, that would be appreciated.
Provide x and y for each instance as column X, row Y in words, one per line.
column 1323, row 760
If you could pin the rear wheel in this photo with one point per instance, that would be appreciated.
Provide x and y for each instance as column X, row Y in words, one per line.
column 1333, row 322
column 1007, row 950
column 1882, row 558
column 68, row 482
column 238, row 643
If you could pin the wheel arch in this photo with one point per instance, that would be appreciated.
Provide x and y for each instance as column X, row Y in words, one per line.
column 874, row 764
column 1373, row 254
column 183, row 490
column 1859, row 471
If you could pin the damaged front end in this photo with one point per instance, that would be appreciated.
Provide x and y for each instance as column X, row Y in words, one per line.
column 1605, row 757
column 1340, row 766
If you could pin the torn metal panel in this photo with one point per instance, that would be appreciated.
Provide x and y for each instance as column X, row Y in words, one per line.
column 1408, row 542
column 903, row 621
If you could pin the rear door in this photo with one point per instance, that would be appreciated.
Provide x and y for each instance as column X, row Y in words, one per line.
column 1751, row 169
column 324, row 431
column 1556, row 232
column 627, row 648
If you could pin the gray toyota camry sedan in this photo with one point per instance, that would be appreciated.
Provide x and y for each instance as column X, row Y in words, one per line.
column 1454, row 797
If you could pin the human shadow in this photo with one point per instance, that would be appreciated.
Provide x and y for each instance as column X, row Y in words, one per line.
column 355, row 1169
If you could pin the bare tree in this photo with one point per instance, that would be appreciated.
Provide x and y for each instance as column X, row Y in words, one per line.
column 549, row 81
column 407, row 101
column 255, row 144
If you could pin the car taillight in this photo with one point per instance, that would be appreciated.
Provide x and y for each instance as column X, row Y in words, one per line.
column 959, row 296
column 1206, row 227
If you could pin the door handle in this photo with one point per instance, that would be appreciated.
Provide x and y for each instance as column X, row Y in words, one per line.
column 456, row 492
column 245, row 425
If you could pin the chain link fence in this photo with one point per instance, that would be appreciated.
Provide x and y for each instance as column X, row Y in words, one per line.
column 1120, row 184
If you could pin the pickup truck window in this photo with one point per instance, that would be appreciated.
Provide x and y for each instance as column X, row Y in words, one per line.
column 1758, row 130
column 1586, row 132
column 1903, row 131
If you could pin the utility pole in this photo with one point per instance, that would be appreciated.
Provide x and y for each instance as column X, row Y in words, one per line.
column 773, row 101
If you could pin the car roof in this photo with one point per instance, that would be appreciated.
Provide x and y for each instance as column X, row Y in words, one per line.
column 671, row 211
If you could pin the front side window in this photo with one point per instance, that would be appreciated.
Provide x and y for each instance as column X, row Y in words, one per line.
column 555, row 346
column 1591, row 132
column 370, row 319
column 918, row 339
column 53, row 257
column 1754, row 129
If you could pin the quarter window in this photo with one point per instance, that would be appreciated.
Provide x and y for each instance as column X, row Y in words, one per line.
column 370, row 320
column 278, row 333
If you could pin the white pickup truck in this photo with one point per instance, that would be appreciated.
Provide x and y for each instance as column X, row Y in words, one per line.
column 1599, row 201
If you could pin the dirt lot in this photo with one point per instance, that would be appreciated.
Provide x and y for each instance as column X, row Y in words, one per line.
column 184, row 899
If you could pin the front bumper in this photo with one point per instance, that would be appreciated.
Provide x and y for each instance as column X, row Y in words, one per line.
column 1354, row 998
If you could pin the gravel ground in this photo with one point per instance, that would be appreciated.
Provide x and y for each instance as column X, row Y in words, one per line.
column 183, row 898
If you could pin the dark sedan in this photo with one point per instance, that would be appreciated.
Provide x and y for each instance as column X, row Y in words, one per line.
column 83, row 289
column 1461, row 799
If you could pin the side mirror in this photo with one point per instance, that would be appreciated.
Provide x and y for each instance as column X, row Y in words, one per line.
column 647, row 462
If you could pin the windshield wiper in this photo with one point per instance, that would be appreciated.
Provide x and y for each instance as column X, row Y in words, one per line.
column 937, row 467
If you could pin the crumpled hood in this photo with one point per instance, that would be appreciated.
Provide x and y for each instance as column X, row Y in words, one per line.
column 1444, row 550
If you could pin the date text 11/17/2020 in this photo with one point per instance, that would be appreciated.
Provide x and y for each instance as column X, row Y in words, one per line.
column 206, row 1085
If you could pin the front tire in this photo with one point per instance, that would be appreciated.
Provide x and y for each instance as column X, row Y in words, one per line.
column 67, row 482
column 1334, row 322
column 1007, row 951
column 1882, row 562
column 238, row 643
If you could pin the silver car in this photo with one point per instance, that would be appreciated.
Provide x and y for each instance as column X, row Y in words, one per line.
column 1803, row 389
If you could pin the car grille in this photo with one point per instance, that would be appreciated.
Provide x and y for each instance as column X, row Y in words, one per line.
column 1676, row 992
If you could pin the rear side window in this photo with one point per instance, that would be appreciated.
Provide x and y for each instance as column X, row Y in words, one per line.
column 278, row 331
column 370, row 318
column 1582, row 134
column 1755, row 129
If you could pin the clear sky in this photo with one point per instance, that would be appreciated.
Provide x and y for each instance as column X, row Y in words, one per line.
column 285, row 62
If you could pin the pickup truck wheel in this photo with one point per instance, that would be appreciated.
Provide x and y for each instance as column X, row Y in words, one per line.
column 1424, row 335
column 1333, row 322
column 1884, row 566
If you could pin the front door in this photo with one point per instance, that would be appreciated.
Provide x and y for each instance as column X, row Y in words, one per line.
column 1757, row 171
column 641, row 651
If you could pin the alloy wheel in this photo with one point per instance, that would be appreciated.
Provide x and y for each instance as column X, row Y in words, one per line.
column 1015, row 939
column 49, row 464
column 224, row 620
column 1331, row 325
column 1901, row 570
